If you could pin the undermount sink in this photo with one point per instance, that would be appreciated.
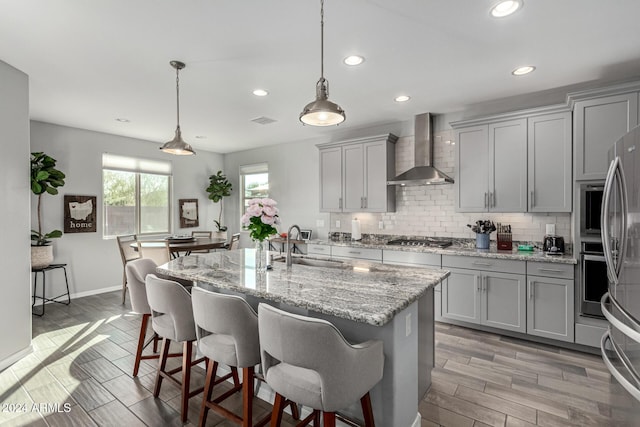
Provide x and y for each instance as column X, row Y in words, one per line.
column 312, row 262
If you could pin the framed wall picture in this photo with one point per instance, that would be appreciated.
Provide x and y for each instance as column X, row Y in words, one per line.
column 188, row 213
column 79, row 214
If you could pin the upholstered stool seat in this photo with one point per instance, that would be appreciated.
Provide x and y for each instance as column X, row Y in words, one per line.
column 307, row 360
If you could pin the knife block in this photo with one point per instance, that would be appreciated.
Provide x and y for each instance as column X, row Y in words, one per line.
column 505, row 242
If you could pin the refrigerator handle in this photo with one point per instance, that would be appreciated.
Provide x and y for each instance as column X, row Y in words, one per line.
column 623, row 327
column 604, row 219
column 622, row 186
column 633, row 390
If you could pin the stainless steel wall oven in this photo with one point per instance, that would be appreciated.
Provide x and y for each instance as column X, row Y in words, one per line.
column 593, row 277
column 590, row 209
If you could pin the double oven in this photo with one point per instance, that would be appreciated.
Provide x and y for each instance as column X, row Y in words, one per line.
column 593, row 268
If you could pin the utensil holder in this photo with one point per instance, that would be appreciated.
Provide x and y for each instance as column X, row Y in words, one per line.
column 482, row 241
column 505, row 242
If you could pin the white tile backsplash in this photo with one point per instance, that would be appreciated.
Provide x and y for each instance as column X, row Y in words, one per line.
column 430, row 210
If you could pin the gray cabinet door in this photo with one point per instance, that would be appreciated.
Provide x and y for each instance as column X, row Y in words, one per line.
column 472, row 166
column 353, row 178
column 599, row 123
column 461, row 296
column 550, row 308
column 375, row 177
column 504, row 301
column 331, row 179
column 508, row 166
column 549, row 158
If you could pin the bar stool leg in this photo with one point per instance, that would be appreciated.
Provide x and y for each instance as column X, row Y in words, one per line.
column 365, row 401
column 247, row 396
column 186, row 378
column 164, row 352
column 329, row 419
column 66, row 281
column 141, row 337
column 278, row 407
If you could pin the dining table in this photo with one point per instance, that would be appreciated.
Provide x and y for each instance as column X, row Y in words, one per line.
column 186, row 245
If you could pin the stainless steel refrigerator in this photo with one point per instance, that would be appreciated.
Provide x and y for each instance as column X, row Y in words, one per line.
column 620, row 217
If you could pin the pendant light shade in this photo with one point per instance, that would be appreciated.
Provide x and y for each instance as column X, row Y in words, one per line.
column 322, row 112
column 177, row 145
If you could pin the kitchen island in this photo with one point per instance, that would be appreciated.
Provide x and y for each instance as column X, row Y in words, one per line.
column 363, row 300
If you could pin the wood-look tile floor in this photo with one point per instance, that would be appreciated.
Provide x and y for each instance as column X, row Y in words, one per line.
column 83, row 357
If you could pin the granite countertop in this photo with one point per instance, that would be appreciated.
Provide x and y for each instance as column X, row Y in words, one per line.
column 458, row 249
column 360, row 291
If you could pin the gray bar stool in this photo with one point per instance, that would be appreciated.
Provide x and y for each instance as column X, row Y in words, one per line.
column 172, row 319
column 308, row 361
column 137, row 271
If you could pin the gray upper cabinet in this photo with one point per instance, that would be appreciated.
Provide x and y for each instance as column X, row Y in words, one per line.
column 354, row 174
column 598, row 124
column 472, row 180
column 492, row 167
column 549, row 163
column 331, row 179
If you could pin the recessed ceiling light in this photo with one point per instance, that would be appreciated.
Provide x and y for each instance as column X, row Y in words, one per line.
column 402, row 98
column 354, row 60
column 260, row 92
column 521, row 71
column 505, row 8
column 122, row 120
column 200, row 137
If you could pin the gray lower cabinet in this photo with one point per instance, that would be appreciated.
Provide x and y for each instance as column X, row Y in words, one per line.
column 485, row 291
column 550, row 310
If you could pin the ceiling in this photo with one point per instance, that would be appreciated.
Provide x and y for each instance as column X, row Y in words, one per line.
column 91, row 62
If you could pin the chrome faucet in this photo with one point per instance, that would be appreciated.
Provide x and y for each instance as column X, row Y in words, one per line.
column 289, row 261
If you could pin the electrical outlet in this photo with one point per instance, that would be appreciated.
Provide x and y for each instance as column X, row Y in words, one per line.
column 337, row 223
column 408, row 325
column 380, row 225
column 319, row 223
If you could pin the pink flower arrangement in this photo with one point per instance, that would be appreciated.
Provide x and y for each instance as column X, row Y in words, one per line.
column 260, row 218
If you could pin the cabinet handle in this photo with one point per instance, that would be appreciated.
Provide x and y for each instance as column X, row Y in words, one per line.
column 551, row 270
column 532, row 199
column 491, row 201
column 486, row 264
column 530, row 289
column 354, row 252
column 340, row 202
column 484, row 284
column 365, row 202
column 477, row 280
column 486, row 199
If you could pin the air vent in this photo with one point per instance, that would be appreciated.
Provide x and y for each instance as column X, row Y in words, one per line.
column 263, row 120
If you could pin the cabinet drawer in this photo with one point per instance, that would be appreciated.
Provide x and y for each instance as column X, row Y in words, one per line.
column 360, row 253
column 411, row 258
column 313, row 249
column 483, row 263
column 547, row 269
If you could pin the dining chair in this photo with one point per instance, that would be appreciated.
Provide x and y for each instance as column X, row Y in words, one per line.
column 307, row 360
column 172, row 320
column 127, row 253
column 234, row 243
column 157, row 250
column 201, row 234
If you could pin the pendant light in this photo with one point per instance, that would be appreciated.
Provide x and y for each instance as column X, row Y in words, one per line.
column 177, row 145
column 322, row 112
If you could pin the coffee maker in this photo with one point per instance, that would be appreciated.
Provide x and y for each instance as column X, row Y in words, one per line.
column 552, row 245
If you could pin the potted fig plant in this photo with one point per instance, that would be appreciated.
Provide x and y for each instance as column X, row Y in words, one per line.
column 219, row 188
column 45, row 178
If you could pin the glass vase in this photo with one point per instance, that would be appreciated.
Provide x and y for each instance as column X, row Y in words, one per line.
column 262, row 252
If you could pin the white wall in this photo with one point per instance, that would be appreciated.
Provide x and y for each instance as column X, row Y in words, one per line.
column 15, row 303
column 94, row 263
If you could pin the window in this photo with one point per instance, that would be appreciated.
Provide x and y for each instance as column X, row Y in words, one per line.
column 135, row 196
column 255, row 183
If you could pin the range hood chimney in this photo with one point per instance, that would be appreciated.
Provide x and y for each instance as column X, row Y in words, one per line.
column 423, row 172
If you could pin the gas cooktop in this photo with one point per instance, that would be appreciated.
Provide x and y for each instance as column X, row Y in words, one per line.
column 428, row 242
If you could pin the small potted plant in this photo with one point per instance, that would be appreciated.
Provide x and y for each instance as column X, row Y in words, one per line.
column 45, row 178
column 219, row 188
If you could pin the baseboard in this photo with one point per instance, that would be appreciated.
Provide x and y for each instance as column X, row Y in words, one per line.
column 4, row 364
column 418, row 421
column 88, row 293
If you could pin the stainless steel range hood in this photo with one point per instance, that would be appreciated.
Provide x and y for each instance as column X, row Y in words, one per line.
column 423, row 172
